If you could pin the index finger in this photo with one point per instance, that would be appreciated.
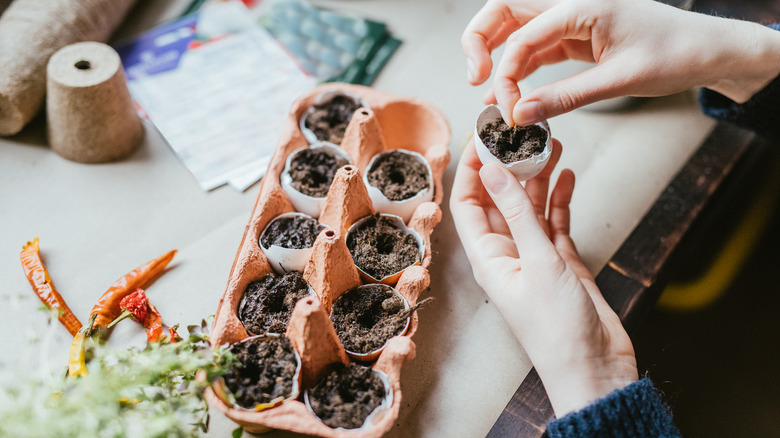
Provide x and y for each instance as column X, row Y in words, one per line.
column 560, row 22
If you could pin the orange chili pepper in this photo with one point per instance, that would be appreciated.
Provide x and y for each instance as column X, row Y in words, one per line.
column 108, row 306
column 41, row 283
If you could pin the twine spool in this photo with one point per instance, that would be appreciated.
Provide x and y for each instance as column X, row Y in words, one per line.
column 30, row 32
column 91, row 116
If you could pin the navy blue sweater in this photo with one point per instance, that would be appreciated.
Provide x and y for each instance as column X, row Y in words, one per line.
column 632, row 412
column 761, row 113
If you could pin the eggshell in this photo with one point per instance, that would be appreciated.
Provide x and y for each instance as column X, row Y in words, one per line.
column 325, row 96
column 523, row 170
column 404, row 208
column 373, row 354
column 311, row 205
column 376, row 415
column 284, row 260
column 392, row 278
column 221, row 390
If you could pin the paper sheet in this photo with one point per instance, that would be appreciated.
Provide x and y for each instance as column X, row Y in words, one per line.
column 219, row 104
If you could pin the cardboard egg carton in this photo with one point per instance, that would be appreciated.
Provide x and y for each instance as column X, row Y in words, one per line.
column 391, row 122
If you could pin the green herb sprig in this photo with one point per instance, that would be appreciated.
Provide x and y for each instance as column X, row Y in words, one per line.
column 154, row 392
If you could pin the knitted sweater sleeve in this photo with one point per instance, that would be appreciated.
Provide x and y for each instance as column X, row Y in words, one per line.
column 632, row 412
column 761, row 113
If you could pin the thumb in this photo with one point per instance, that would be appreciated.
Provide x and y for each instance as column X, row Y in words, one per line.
column 518, row 211
column 597, row 83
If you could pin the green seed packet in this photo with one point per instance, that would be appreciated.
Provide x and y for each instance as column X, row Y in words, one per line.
column 332, row 46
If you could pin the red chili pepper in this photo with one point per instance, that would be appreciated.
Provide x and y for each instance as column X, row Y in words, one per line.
column 41, row 283
column 138, row 306
column 135, row 305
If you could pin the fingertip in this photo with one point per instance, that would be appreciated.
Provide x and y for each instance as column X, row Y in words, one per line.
column 557, row 149
column 565, row 186
column 528, row 112
column 490, row 97
column 495, row 178
column 505, row 111
column 478, row 60
column 471, row 72
column 568, row 175
column 507, row 93
column 477, row 72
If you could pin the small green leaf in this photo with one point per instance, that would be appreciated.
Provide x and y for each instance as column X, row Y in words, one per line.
column 237, row 433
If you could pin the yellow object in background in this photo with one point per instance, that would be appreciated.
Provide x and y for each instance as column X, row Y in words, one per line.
column 699, row 293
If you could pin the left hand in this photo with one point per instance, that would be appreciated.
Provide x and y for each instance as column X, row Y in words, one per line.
column 525, row 260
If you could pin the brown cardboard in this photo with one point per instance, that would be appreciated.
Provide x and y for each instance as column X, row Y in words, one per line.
column 391, row 122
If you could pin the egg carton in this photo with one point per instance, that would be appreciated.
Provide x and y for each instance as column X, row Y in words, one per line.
column 389, row 122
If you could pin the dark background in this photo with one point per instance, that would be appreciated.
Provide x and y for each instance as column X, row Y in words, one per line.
column 719, row 365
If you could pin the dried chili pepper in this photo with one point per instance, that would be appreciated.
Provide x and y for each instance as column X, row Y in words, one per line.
column 108, row 307
column 41, row 283
column 77, row 358
column 138, row 306
column 135, row 305
column 155, row 328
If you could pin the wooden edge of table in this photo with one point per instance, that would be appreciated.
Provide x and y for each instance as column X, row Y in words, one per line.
column 633, row 278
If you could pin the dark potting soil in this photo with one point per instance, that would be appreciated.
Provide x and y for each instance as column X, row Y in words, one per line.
column 380, row 249
column 268, row 303
column 294, row 232
column 347, row 396
column 510, row 144
column 365, row 318
column 329, row 119
column 398, row 175
column 264, row 371
column 312, row 171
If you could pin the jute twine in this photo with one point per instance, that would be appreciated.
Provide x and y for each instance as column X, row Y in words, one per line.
column 30, row 32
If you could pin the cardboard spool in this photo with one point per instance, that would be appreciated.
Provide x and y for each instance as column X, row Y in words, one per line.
column 392, row 122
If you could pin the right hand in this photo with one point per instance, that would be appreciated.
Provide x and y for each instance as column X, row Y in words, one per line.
column 641, row 47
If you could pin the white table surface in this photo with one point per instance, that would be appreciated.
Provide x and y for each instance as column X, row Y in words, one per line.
column 96, row 222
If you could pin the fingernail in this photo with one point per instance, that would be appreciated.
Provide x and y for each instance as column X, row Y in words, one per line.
column 494, row 178
column 528, row 113
column 471, row 70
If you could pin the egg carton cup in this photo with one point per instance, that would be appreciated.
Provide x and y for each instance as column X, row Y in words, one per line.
column 399, row 223
column 284, row 260
column 376, row 415
column 302, row 202
column 390, row 122
column 221, row 390
column 405, row 207
column 325, row 95
column 373, row 354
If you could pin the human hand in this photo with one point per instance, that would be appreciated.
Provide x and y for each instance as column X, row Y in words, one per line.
column 526, row 262
column 641, row 47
